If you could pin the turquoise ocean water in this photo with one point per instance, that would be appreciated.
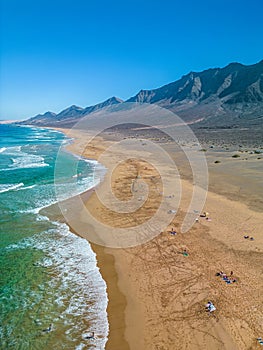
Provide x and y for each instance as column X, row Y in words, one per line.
column 48, row 275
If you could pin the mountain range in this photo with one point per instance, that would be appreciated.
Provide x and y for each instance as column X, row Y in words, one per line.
column 218, row 97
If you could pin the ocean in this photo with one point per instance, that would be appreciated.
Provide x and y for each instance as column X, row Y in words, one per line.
column 48, row 274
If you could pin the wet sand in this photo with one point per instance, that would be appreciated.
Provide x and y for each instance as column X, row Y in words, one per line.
column 156, row 294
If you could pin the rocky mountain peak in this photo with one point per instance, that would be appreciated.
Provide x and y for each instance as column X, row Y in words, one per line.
column 235, row 91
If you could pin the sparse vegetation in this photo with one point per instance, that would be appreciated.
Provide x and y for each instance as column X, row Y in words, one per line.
column 236, row 156
column 217, row 162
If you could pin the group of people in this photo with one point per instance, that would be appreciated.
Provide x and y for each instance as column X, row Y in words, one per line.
column 228, row 279
column 250, row 238
column 210, row 307
column 88, row 335
column 205, row 215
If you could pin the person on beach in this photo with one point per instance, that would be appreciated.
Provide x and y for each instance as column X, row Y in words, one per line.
column 210, row 307
column 90, row 335
column 185, row 252
column 49, row 329
column 173, row 232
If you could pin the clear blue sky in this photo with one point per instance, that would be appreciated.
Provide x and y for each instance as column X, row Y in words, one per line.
column 56, row 53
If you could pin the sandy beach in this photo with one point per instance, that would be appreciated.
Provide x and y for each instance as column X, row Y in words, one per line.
column 157, row 294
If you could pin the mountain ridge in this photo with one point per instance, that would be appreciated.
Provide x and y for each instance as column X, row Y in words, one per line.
column 69, row 114
column 230, row 96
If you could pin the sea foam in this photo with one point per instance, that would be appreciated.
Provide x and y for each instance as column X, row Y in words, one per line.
column 10, row 187
column 77, row 285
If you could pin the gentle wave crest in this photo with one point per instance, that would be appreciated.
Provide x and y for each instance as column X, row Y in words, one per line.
column 79, row 289
column 10, row 187
column 13, row 150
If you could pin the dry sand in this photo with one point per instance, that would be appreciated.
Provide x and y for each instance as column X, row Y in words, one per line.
column 156, row 294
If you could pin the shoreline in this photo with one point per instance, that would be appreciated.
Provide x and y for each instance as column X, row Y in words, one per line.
column 117, row 302
column 126, row 289
column 57, row 269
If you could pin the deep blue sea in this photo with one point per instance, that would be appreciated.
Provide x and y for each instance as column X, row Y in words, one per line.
column 48, row 275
